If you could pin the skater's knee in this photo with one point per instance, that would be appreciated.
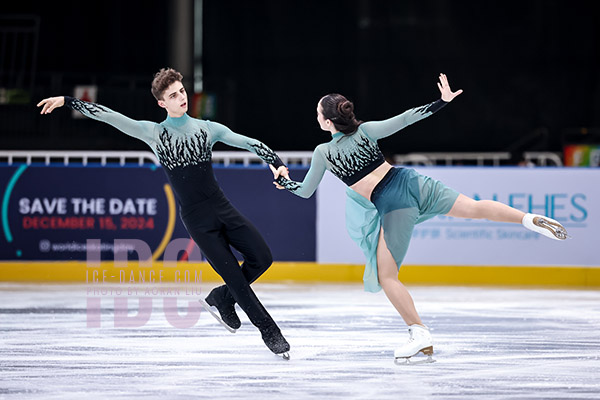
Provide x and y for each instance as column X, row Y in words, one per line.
column 263, row 260
column 388, row 281
column 266, row 258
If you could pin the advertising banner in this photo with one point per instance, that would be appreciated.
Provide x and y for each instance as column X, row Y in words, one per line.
column 569, row 195
column 50, row 212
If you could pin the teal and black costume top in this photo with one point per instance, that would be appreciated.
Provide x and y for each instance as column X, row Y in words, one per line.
column 183, row 147
column 351, row 157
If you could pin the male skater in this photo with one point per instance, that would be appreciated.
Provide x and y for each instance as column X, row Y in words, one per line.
column 183, row 146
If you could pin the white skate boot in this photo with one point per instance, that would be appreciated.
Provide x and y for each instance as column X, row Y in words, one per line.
column 419, row 342
column 545, row 226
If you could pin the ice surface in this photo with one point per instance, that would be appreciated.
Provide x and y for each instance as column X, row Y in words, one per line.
column 490, row 343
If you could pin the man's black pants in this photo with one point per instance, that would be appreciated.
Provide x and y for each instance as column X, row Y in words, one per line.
column 216, row 226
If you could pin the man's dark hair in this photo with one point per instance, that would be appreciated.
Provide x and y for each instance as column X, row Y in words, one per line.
column 162, row 80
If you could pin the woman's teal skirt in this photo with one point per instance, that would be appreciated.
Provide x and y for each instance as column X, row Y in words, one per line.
column 402, row 199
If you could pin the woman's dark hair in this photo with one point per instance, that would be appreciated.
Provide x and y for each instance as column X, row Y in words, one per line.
column 340, row 111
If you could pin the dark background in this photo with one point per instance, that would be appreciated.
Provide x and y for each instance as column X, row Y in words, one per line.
column 529, row 69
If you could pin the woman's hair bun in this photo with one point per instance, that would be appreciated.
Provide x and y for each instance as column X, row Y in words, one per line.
column 346, row 109
column 340, row 111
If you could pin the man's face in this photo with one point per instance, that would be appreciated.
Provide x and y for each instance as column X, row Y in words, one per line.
column 175, row 100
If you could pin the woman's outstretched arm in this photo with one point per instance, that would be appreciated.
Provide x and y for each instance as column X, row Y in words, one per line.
column 313, row 177
column 380, row 129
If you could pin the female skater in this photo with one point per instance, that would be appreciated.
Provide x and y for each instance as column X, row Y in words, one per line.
column 385, row 202
column 183, row 146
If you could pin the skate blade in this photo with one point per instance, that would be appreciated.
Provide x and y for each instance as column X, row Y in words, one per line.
column 216, row 315
column 413, row 361
column 557, row 230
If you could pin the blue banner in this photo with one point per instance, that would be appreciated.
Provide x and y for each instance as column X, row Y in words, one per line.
column 50, row 212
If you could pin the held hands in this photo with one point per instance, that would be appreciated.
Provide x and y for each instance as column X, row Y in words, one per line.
column 51, row 103
column 281, row 171
column 447, row 94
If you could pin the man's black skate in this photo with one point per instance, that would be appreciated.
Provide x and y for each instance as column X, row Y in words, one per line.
column 275, row 341
column 225, row 307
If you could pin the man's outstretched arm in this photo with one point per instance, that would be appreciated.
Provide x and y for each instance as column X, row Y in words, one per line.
column 221, row 133
column 143, row 130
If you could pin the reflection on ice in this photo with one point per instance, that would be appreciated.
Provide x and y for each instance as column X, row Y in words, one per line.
column 489, row 344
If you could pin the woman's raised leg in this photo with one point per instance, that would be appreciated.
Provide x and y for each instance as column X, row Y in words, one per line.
column 466, row 207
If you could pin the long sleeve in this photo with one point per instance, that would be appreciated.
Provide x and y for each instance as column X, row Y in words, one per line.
column 221, row 133
column 313, row 177
column 143, row 130
column 380, row 129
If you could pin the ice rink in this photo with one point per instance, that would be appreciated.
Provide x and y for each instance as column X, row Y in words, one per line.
column 490, row 343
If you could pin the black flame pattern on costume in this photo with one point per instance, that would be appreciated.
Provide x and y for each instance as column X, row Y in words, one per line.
column 345, row 165
column 266, row 154
column 85, row 107
column 181, row 152
column 430, row 108
column 290, row 185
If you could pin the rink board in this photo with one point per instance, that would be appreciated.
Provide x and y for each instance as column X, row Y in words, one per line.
column 307, row 237
column 159, row 273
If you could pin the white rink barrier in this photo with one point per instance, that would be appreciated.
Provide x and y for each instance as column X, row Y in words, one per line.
column 569, row 195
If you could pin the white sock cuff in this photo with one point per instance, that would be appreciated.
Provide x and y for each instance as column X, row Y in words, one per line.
column 418, row 326
column 528, row 220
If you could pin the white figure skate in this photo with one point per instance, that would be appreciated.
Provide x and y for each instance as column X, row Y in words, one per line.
column 545, row 226
column 418, row 342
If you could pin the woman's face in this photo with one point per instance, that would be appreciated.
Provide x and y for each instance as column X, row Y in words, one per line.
column 321, row 119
